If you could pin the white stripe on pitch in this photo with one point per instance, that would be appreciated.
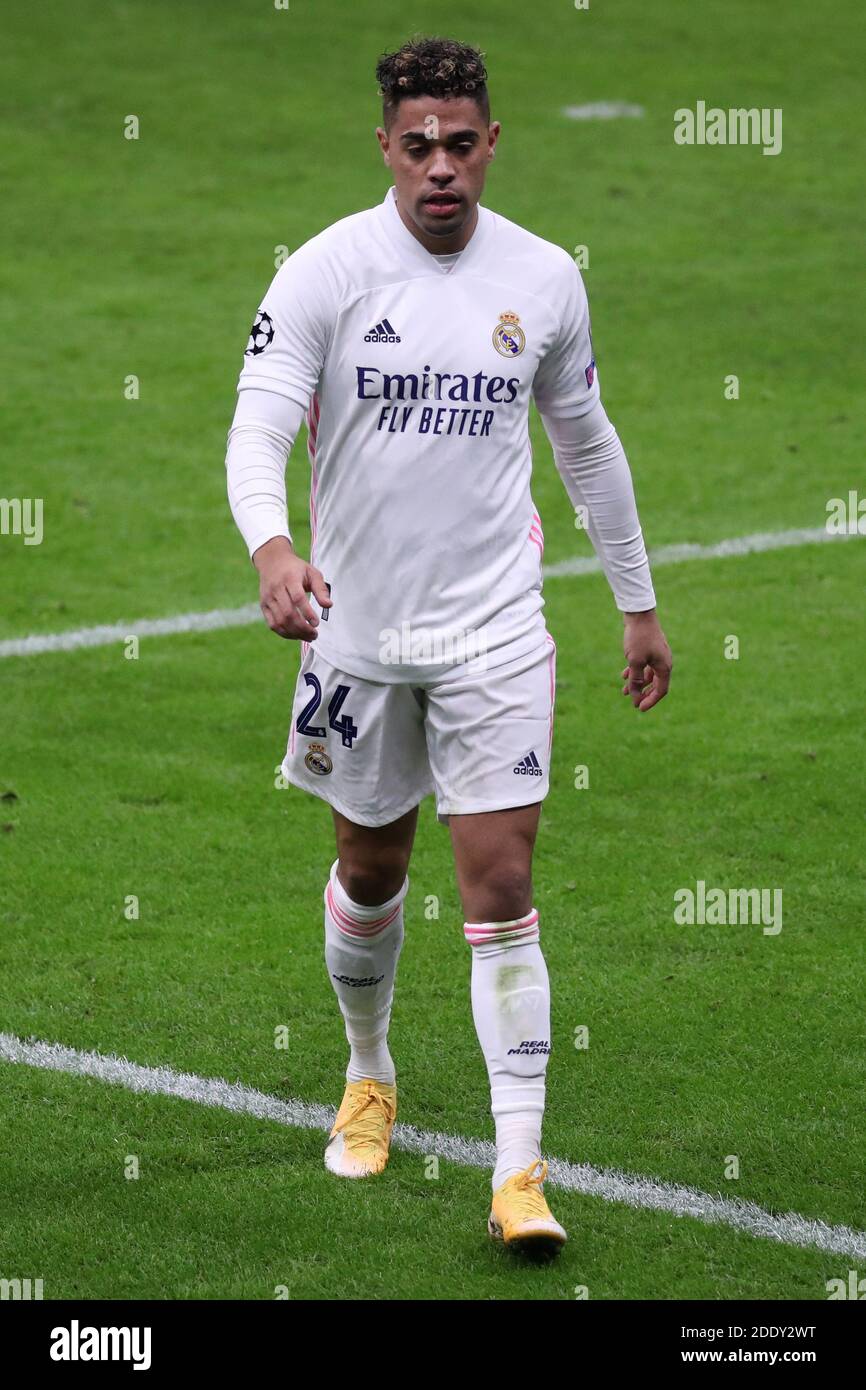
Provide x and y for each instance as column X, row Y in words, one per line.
column 104, row 636
column 603, row 111
column 720, row 550
column 142, row 627
column 609, row 1184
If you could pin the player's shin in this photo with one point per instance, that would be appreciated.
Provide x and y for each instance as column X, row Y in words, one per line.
column 362, row 947
column 511, row 1009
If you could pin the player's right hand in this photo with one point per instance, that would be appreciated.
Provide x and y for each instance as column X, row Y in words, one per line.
column 284, row 582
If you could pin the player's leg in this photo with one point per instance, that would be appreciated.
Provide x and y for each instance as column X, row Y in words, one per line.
column 373, row 860
column 493, row 861
column 490, row 790
column 364, row 935
column 509, row 983
column 363, row 939
column 360, row 745
column 510, row 1007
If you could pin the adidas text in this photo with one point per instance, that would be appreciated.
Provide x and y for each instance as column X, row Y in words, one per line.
column 528, row 766
column 382, row 333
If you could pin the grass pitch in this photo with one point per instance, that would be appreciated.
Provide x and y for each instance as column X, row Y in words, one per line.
column 155, row 778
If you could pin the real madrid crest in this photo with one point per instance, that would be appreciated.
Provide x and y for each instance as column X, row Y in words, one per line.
column 508, row 337
column 317, row 760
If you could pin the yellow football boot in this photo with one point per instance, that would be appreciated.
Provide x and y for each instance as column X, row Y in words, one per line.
column 361, row 1136
column 521, row 1217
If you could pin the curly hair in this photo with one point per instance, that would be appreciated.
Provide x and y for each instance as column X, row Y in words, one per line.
column 432, row 67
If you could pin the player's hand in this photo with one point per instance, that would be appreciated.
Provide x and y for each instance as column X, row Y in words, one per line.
column 648, row 673
column 284, row 582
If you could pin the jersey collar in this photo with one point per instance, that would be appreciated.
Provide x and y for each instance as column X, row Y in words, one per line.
column 412, row 250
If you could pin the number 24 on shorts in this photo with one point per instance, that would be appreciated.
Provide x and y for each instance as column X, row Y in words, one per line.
column 341, row 724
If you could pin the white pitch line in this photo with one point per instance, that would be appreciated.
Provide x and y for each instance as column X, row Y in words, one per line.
column 142, row 627
column 606, row 1183
column 249, row 613
column 719, row 550
column 604, row 111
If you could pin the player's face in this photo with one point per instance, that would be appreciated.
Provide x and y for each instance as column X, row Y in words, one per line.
column 438, row 152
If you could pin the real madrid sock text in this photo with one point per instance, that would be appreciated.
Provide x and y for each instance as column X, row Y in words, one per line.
column 511, row 1009
column 362, row 947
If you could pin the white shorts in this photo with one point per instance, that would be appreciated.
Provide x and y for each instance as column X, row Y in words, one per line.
column 479, row 740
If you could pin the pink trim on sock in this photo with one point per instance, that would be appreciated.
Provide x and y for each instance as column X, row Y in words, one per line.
column 482, row 933
column 350, row 925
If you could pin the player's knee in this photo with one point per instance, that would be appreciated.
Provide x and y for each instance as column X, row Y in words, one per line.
column 501, row 895
column 370, row 883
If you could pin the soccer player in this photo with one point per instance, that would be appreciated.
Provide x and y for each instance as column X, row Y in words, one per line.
column 411, row 336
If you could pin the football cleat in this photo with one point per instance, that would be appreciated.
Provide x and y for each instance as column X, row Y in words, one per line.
column 521, row 1217
column 361, row 1136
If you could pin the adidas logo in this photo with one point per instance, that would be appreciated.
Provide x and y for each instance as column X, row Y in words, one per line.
column 529, row 766
column 382, row 333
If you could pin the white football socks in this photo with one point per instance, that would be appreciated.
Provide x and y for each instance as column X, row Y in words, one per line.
column 511, row 1009
column 362, row 947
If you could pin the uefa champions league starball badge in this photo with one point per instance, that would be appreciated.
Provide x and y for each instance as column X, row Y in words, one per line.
column 261, row 334
column 508, row 337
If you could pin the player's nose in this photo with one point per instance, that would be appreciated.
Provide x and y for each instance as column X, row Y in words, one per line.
column 441, row 170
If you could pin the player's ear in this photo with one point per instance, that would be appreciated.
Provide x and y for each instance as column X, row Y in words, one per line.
column 384, row 144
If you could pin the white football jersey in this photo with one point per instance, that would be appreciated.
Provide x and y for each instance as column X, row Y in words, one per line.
column 416, row 378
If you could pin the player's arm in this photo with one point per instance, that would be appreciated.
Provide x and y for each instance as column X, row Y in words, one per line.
column 282, row 365
column 595, row 471
column 592, row 464
column 260, row 440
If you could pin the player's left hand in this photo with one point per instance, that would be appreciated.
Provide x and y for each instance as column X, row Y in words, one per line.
column 648, row 673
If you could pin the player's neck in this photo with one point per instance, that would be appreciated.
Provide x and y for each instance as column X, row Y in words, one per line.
column 441, row 245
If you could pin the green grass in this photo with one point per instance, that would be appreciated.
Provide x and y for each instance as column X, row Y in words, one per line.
column 156, row 777
column 227, row 1207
